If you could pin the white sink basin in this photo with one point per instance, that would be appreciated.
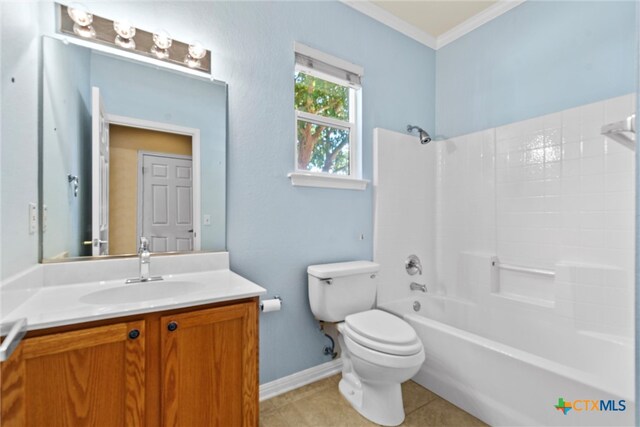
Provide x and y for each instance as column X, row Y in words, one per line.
column 137, row 292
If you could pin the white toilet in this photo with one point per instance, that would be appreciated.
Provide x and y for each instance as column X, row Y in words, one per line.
column 379, row 350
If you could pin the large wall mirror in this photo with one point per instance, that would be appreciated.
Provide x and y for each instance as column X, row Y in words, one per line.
column 129, row 150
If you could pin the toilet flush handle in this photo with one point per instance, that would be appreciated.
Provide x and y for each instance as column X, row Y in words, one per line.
column 328, row 281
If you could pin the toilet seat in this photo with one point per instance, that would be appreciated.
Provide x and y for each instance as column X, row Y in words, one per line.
column 382, row 332
column 384, row 359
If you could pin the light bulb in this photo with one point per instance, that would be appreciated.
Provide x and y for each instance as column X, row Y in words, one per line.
column 125, row 43
column 82, row 20
column 124, row 29
column 84, row 31
column 191, row 61
column 125, row 33
column 160, row 53
column 162, row 39
column 80, row 14
column 196, row 50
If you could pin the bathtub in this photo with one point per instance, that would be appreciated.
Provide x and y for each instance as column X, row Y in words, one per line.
column 475, row 360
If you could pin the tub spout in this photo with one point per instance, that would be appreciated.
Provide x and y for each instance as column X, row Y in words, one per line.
column 418, row 287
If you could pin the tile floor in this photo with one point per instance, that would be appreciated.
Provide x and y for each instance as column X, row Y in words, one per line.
column 320, row 405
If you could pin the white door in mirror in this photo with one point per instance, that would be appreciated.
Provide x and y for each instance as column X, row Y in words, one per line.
column 100, row 175
column 167, row 200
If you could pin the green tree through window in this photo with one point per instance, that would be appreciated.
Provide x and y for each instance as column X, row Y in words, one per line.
column 321, row 146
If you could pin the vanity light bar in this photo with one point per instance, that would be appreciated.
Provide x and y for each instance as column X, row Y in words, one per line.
column 123, row 36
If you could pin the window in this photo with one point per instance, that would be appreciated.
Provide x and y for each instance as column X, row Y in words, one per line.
column 327, row 104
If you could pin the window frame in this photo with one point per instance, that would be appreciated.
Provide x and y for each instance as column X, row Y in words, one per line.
column 354, row 179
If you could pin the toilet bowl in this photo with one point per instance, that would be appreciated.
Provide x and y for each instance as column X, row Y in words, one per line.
column 379, row 350
column 374, row 367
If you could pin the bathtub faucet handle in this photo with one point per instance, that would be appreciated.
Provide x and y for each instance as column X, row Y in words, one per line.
column 413, row 265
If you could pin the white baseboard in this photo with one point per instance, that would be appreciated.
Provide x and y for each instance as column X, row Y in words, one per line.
column 293, row 381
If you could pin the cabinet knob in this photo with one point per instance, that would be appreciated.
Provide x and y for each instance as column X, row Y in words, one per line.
column 134, row 333
column 172, row 326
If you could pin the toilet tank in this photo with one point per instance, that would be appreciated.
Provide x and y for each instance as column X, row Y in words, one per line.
column 343, row 288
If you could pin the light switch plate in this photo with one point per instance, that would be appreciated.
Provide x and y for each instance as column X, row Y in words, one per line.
column 206, row 218
column 33, row 218
column 45, row 211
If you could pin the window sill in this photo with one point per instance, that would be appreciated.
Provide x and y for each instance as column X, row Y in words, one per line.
column 305, row 179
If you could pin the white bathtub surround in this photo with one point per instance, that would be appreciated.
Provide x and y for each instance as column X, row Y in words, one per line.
column 404, row 193
column 69, row 293
column 550, row 195
column 505, row 385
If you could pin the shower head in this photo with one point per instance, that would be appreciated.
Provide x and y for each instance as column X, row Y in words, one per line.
column 424, row 136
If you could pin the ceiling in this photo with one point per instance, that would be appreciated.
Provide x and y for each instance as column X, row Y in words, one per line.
column 434, row 17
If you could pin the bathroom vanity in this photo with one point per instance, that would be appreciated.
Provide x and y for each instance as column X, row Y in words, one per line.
column 186, row 356
column 194, row 366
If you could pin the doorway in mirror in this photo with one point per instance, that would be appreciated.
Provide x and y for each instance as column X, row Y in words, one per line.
column 151, row 190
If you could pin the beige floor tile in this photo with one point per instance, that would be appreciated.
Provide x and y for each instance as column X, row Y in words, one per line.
column 441, row 413
column 267, row 406
column 321, row 405
column 325, row 408
column 415, row 396
column 273, row 419
column 302, row 392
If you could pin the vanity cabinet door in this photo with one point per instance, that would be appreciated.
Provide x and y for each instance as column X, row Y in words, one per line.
column 210, row 367
column 87, row 377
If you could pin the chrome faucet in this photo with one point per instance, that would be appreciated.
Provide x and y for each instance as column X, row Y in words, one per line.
column 145, row 264
column 145, row 259
column 418, row 287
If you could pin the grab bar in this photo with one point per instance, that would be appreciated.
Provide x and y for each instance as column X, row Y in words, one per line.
column 13, row 338
column 518, row 268
column 623, row 131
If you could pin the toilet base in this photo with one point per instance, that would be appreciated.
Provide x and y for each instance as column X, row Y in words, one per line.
column 374, row 389
column 380, row 403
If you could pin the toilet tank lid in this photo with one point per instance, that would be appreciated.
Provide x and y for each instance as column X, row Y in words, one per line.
column 339, row 269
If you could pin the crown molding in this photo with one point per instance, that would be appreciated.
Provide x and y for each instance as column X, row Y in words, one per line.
column 368, row 8
column 379, row 14
column 490, row 13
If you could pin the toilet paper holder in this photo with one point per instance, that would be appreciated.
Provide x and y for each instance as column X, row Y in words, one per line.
column 275, row 297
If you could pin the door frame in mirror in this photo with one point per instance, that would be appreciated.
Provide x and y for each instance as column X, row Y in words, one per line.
column 195, row 154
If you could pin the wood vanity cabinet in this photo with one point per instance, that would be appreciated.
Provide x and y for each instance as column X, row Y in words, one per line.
column 92, row 376
column 190, row 367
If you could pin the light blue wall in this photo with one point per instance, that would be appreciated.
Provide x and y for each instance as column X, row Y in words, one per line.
column 275, row 230
column 145, row 92
column 538, row 58
column 66, row 123
column 19, row 32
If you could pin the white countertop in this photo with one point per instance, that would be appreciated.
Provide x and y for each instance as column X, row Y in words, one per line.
column 50, row 306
